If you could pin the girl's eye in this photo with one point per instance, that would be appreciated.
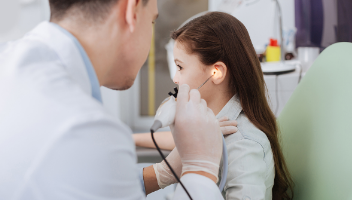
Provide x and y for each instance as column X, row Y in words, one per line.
column 179, row 67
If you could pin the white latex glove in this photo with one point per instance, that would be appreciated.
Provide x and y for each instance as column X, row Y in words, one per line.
column 162, row 171
column 197, row 133
column 164, row 174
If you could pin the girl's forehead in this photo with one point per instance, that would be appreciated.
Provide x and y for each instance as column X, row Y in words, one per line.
column 180, row 50
column 182, row 47
column 182, row 56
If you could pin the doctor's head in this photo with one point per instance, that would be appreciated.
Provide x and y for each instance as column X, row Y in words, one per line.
column 116, row 34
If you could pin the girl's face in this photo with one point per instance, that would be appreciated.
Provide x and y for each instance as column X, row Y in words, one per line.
column 191, row 71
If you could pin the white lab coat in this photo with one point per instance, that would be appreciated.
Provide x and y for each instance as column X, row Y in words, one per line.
column 56, row 141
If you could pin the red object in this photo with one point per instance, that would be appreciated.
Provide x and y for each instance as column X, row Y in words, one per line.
column 273, row 43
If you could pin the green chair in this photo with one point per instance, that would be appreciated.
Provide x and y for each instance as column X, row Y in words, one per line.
column 316, row 128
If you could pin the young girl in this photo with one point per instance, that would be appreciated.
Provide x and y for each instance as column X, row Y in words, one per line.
column 219, row 42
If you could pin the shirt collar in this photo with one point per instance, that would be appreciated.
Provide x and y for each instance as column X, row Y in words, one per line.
column 95, row 86
column 232, row 109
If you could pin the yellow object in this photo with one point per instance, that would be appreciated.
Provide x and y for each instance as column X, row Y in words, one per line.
column 273, row 54
column 151, row 77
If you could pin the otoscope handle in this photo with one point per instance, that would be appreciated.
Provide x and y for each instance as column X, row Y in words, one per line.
column 166, row 112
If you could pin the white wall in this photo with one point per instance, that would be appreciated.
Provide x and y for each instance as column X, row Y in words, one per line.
column 20, row 16
column 259, row 17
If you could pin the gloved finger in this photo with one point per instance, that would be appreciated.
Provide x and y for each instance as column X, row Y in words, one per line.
column 163, row 173
column 204, row 105
column 222, row 119
column 183, row 95
column 210, row 112
column 194, row 96
column 228, row 123
column 228, row 130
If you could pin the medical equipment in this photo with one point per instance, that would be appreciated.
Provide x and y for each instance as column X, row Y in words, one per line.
column 206, row 81
column 165, row 116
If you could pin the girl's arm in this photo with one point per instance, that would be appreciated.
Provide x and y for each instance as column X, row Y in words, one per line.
column 164, row 139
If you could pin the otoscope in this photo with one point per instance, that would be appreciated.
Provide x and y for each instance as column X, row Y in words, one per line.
column 165, row 116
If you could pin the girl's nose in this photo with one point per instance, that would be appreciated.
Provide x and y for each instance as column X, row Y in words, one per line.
column 175, row 80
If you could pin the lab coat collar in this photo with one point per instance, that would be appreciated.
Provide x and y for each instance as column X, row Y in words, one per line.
column 232, row 109
column 71, row 54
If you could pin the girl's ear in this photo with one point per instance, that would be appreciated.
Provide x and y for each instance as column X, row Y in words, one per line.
column 220, row 70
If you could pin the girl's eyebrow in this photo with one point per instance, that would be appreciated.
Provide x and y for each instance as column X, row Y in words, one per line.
column 178, row 60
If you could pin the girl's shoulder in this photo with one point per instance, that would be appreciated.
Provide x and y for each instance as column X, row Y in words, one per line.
column 248, row 131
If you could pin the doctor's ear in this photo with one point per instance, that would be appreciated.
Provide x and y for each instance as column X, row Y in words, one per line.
column 131, row 8
column 220, row 70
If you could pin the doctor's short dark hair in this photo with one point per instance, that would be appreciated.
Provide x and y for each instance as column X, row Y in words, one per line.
column 91, row 9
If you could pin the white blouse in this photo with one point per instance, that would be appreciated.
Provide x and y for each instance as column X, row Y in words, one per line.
column 251, row 169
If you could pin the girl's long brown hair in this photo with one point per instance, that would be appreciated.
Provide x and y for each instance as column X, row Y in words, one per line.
column 218, row 36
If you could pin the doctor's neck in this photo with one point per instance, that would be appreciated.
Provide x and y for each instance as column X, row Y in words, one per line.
column 96, row 39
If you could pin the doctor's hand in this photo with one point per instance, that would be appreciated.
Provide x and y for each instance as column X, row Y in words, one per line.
column 163, row 173
column 227, row 127
column 197, row 135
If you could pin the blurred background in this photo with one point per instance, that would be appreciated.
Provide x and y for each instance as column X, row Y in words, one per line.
column 301, row 28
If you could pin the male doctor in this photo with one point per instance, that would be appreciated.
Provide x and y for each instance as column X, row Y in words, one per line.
column 56, row 140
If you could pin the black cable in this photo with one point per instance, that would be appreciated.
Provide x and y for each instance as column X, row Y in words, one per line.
column 167, row 163
column 277, row 86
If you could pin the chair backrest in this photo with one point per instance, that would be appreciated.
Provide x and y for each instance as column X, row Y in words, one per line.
column 316, row 128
